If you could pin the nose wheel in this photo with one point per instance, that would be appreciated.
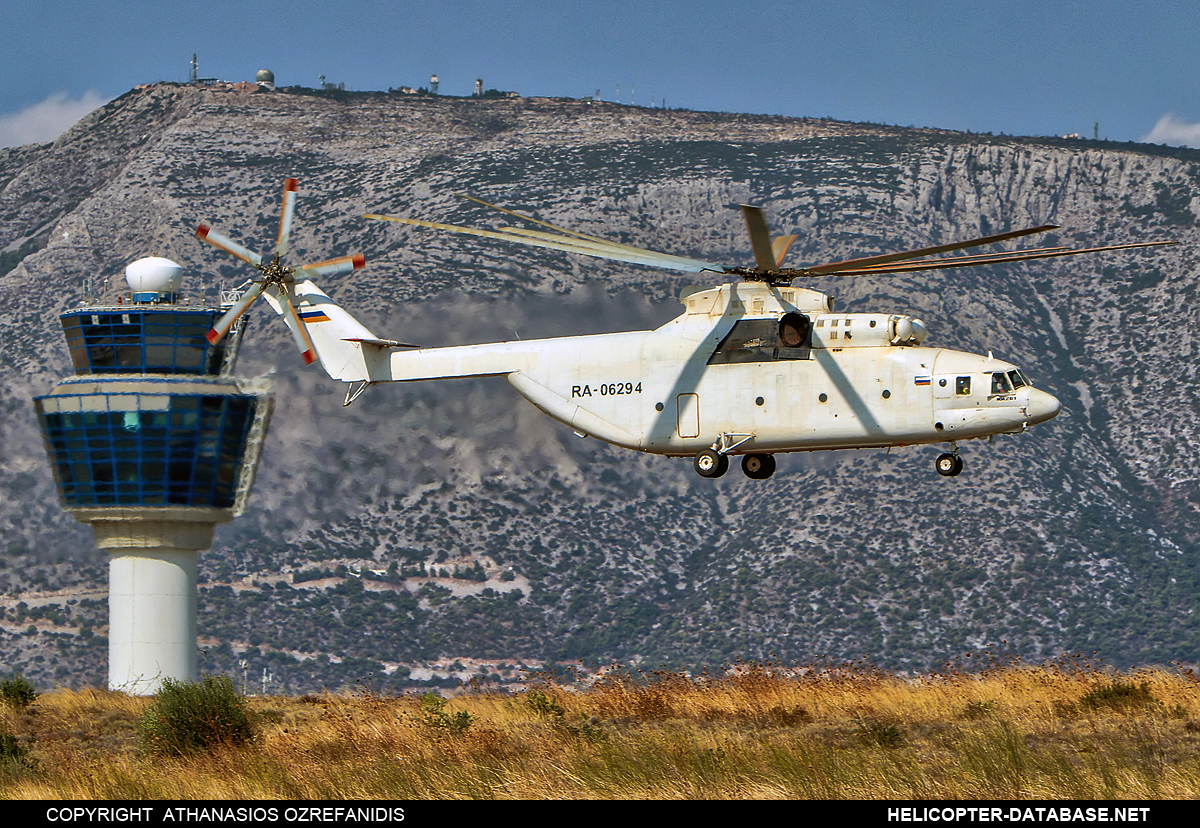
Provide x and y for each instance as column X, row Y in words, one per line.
column 949, row 465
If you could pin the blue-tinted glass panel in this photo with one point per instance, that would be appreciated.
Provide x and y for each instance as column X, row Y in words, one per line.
column 143, row 340
column 186, row 455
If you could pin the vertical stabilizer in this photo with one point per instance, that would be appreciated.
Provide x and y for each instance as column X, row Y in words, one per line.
column 336, row 335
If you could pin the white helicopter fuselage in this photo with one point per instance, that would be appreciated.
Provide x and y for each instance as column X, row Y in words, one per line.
column 752, row 368
column 719, row 376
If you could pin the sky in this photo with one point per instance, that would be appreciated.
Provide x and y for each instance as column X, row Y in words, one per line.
column 1113, row 69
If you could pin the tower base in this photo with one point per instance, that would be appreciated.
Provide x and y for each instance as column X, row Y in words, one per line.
column 152, row 591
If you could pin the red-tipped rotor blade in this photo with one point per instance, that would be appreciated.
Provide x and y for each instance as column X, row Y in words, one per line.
column 207, row 234
column 285, row 215
column 224, row 324
column 299, row 330
column 333, row 267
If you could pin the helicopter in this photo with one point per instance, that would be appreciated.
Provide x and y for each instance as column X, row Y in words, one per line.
column 752, row 368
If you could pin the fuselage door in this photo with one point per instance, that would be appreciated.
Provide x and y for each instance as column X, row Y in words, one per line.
column 688, row 406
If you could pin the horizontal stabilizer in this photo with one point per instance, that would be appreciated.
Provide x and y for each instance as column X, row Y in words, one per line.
column 381, row 343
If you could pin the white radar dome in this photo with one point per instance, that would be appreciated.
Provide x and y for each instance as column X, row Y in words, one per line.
column 154, row 274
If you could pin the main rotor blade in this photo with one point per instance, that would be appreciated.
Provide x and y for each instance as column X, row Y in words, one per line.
column 780, row 246
column 583, row 239
column 207, row 234
column 333, row 267
column 532, row 220
column 855, row 264
column 604, row 248
column 946, row 264
column 978, row 258
column 223, row 324
column 586, row 248
column 299, row 329
column 760, row 237
column 285, row 215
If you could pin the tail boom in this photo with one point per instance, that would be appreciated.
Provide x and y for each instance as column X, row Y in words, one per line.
column 351, row 352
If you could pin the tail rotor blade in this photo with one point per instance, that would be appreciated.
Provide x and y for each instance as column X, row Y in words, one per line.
column 207, row 234
column 333, row 267
column 285, row 216
column 224, row 324
column 299, row 329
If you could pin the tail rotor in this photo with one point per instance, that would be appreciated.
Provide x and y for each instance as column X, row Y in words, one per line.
column 276, row 277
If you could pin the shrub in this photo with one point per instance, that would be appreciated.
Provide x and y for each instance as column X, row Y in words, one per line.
column 544, row 705
column 433, row 707
column 191, row 716
column 17, row 691
column 1121, row 696
column 882, row 734
column 14, row 756
column 979, row 709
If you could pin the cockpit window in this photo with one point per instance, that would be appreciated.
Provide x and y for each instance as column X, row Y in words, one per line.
column 1018, row 380
column 1000, row 383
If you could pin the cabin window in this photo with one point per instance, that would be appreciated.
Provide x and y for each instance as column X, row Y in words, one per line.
column 1000, row 383
column 765, row 340
column 962, row 386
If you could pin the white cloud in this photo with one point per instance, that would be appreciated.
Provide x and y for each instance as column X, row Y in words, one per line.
column 1171, row 129
column 47, row 120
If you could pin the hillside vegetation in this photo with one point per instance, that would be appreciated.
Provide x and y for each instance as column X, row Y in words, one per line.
column 430, row 532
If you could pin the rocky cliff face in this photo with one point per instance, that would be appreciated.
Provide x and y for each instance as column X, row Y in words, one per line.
column 1078, row 536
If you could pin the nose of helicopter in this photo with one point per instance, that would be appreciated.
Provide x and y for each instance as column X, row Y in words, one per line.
column 1042, row 406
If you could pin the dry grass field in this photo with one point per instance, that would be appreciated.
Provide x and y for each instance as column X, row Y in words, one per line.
column 1050, row 732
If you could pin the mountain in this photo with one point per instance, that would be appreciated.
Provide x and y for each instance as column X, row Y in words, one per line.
column 1078, row 536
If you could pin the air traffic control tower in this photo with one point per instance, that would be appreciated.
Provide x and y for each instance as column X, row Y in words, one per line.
column 153, row 442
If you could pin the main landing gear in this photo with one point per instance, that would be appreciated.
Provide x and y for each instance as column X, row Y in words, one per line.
column 711, row 463
column 949, row 464
column 758, row 466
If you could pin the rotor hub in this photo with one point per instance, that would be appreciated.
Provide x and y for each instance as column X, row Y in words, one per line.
column 276, row 273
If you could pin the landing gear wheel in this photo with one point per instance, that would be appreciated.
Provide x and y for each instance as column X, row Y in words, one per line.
column 758, row 466
column 949, row 465
column 711, row 464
